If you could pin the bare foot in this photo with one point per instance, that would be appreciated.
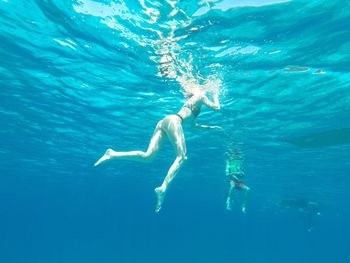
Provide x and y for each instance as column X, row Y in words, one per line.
column 228, row 205
column 105, row 157
column 160, row 193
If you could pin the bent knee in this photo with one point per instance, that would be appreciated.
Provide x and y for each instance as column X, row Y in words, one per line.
column 148, row 157
column 181, row 158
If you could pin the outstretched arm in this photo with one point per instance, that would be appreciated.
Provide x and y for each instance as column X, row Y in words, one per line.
column 227, row 167
column 215, row 105
column 204, row 126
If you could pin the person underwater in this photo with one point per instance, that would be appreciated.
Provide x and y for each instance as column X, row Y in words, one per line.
column 171, row 127
column 235, row 173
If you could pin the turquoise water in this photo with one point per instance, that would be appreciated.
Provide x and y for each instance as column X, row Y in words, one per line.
column 80, row 76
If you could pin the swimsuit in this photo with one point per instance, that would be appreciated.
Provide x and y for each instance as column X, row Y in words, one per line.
column 178, row 115
column 195, row 110
column 238, row 183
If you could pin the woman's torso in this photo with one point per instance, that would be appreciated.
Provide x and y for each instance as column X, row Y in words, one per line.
column 191, row 108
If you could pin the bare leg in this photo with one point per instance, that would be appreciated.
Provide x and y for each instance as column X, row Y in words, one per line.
column 160, row 191
column 153, row 148
column 229, row 196
column 176, row 136
column 246, row 190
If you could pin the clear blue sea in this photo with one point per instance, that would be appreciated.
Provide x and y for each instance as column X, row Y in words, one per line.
column 80, row 76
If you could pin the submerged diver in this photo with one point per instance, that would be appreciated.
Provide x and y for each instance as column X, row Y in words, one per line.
column 308, row 209
column 302, row 204
column 170, row 127
column 235, row 173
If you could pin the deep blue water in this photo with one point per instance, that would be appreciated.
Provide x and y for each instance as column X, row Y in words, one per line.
column 80, row 76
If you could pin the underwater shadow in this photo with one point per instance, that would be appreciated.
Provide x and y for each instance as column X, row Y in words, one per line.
column 322, row 139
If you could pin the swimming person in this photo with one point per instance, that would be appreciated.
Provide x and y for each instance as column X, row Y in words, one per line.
column 308, row 209
column 170, row 127
column 235, row 173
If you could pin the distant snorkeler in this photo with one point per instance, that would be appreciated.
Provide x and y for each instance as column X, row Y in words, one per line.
column 303, row 205
column 171, row 127
column 309, row 209
column 235, row 173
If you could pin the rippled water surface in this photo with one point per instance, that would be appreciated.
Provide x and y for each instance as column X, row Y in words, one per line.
column 80, row 76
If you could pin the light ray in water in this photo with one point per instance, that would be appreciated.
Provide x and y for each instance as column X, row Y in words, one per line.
column 178, row 64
